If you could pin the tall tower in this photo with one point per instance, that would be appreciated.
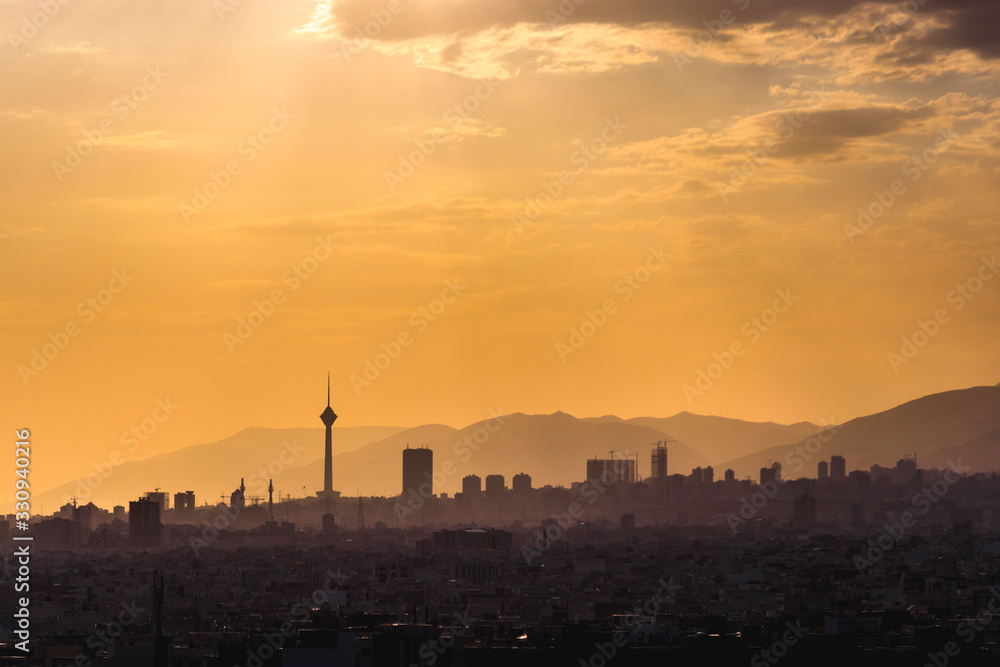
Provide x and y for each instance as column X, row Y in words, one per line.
column 418, row 471
column 270, row 500
column 328, row 417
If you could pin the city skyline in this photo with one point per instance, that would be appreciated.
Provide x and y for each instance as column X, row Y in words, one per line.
column 596, row 204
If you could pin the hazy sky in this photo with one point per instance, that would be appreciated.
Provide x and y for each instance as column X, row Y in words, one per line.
column 663, row 171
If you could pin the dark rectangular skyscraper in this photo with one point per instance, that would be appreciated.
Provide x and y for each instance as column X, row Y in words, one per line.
column 418, row 471
column 144, row 522
column 838, row 468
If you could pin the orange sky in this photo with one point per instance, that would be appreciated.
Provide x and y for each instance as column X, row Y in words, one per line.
column 473, row 181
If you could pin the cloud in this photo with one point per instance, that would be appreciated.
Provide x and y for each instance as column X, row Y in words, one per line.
column 970, row 24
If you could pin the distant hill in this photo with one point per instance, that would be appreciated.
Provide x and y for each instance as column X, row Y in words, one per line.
column 962, row 423
column 553, row 449
column 720, row 439
column 210, row 469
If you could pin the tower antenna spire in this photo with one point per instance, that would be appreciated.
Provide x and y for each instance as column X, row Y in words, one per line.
column 328, row 389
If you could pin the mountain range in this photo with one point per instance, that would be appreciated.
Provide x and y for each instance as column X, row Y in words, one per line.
column 962, row 424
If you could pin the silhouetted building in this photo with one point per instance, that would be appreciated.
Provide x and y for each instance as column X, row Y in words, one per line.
column 805, row 510
column 144, row 522
column 838, row 468
column 696, row 476
column 418, row 471
column 86, row 516
column 329, row 523
column 658, row 461
column 161, row 497
column 730, row 476
column 237, row 499
column 860, row 481
column 495, row 486
column 767, row 475
column 56, row 535
column 611, row 471
column 521, row 483
column 119, row 513
column 822, row 470
column 708, row 475
column 328, row 416
column 906, row 470
column 184, row 506
column 472, row 486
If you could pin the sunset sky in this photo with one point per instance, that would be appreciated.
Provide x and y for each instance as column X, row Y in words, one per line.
column 674, row 169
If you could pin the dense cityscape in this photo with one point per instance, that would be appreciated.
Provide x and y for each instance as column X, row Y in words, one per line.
column 886, row 566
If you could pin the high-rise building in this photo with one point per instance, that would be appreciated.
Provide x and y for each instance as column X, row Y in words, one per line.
column 658, row 461
column 521, row 483
column 495, row 487
column 144, row 522
column 708, row 475
column 767, row 475
column 418, row 471
column 86, row 516
column 328, row 417
column 697, row 475
column 730, row 476
column 472, row 487
column 610, row 471
column 838, row 468
column 822, row 470
column 119, row 512
column 161, row 497
column 57, row 534
column 184, row 506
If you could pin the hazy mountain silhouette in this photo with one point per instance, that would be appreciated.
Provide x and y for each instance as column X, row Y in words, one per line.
column 961, row 423
column 209, row 468
column 720, row 439
column 553, row 449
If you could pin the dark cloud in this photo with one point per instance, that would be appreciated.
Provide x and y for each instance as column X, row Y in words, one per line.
column 972, row 22
column 825, row 133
